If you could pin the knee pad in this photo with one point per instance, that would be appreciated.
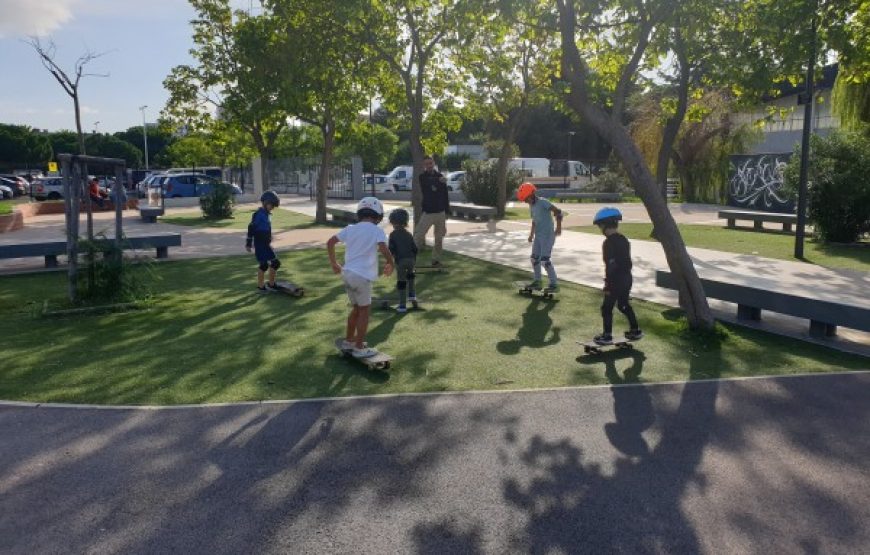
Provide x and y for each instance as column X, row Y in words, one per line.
column 401, row 285
column 545, row 260
column 411, row 275
column 275, row 263
column 535, row 260
column 264, row 266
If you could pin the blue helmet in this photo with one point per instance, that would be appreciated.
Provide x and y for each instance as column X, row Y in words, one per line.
column 271, row 198
column 607, row 215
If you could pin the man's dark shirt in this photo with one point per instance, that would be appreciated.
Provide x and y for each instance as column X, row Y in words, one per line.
column 435, row 197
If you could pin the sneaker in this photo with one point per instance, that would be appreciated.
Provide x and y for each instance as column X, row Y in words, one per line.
column 401, row 309
column 534, row 284
column 412, row 298
column 271, row 286
column 436, row 264
column 553, row 287
column 633, row 335
column 347, row 345
column 365, row 352
column 262, row 289
column 603, row 339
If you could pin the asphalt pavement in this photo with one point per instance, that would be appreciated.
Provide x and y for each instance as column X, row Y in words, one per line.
column 775, row 465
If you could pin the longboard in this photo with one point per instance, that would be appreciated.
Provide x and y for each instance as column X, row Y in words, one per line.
column 595, row 348
column 380, row 361
column 289, row 288
column 387, row 304
column 524, row 289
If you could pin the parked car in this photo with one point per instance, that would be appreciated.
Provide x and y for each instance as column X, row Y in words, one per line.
column 50, row 188
column 190, row 185
column 5, row 191
column 455, row 180
column 19, row 185
column 400, row 178
column 379, row 182
column 142, row 186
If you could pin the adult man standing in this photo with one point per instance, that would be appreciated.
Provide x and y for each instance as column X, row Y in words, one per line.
column 436, row 205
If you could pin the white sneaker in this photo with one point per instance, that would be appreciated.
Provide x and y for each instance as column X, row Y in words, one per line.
column 347, row 345
column 366, row 352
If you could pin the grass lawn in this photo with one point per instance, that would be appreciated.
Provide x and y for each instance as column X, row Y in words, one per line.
column 517, row 213
column 282, row 220
column 770, row 244
column 6, row 206
column 209, row 337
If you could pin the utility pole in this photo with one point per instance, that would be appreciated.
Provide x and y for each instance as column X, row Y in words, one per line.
column 145, row 134
column 807, row 99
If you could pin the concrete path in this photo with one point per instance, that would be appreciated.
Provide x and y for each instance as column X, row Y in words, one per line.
column 753, row 466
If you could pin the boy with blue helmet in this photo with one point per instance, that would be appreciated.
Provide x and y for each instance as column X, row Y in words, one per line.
column 363, row 241
column 617, row 276
column 260, row 238
column 543, row 234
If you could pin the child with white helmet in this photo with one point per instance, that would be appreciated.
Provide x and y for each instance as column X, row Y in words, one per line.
column 617, row 276
column 362, row 242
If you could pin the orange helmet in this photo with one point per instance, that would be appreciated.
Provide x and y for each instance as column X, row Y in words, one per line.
column 525, row 191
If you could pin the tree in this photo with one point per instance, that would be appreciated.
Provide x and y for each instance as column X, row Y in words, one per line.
column 109, row 146
column 159, row 137
column 409, row 39
column 69, row 83
column 21, row 146
column 191, row 151
column 230, row 77
column 325, row 80
column 374, row 143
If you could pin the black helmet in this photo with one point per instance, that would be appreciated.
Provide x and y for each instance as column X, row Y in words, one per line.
column 399, row 216
column 271, row 198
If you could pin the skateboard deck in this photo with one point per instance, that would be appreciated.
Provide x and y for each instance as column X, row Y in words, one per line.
column 380, row 361
column 289, row 288
column 595, row 348
column 387, row 304
column 545, row 292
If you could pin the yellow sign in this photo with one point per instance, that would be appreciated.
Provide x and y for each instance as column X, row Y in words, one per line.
column 52, row 166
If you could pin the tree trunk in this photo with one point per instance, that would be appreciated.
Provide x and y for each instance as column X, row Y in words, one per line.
column 501, row 169
column 328, row 131
column 417, row 155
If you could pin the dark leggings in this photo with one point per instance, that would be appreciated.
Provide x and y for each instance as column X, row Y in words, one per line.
column 619, row 297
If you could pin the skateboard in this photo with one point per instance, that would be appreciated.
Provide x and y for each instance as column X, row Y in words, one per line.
column 387, row 304
column 289, row 288
column 429, row 269
column 595, row 348
column 523, row 287
column 380, row 361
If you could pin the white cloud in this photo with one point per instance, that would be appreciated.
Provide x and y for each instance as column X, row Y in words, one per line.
column 27, row 17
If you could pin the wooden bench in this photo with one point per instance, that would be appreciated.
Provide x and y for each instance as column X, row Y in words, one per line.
column 342, row 215
column 597, row 197
column 472, row 211
column 758, row 218
column 52, row 249
column 824, row 314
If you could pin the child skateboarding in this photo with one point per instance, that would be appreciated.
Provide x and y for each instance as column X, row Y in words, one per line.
column 260, row 237
column 617, row 280
column 404, row 251
column 542, row 236
column 362, row 241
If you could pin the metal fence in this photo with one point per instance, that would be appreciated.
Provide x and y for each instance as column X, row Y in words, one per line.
column 300, row 175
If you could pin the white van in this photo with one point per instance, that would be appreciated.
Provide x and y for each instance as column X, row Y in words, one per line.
column 531, row 167
column 400, row 178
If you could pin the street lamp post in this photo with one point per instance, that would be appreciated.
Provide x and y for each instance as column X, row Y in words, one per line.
column 144, row 134
column 96, row 127
column 807, row 99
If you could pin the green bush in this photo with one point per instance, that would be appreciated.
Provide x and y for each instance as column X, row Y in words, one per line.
column 838, row 204
column 610, row 181
column 109, row 276
column 480, row 185
column 218, row 203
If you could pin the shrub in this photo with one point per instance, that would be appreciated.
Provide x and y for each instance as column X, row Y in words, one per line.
column 610, row 181
column 480, row 185
column 838, row 204
column 218, row 203
column 109, row 276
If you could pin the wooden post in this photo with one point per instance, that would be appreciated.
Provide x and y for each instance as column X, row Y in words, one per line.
column 71, row 239
column 120, row 199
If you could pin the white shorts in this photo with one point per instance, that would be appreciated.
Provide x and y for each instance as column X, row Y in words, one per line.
column 359, row 289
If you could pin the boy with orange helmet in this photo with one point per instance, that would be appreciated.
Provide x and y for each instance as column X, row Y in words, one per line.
column 543, row 234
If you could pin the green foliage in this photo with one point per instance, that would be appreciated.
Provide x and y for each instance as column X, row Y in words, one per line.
column 481, row 186
column 159, row 137
column 109, row 146
column 109, row 276
column 839, row 193
column 20, row 146
column 191, row 151
column 610, row 181
column 374, row 143
column 218, row 203
column 452, row 162
column 851, row 103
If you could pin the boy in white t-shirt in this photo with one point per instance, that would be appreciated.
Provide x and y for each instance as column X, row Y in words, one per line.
column 362, row 242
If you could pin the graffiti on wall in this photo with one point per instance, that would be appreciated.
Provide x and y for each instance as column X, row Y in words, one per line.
column 755, row 181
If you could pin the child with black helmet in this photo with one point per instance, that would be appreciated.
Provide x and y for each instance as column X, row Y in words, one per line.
column 260, row 237
column 404, row 251
column 617, row 272
column 362, row 242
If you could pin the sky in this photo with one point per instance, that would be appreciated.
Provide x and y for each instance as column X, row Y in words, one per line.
column 142, row 41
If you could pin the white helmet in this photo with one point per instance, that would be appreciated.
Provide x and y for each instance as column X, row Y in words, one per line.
column 371, row 203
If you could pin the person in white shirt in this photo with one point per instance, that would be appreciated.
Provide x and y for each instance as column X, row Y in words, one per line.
column 362, row 242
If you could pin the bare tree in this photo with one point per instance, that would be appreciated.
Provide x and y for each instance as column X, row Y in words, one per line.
column 69, row 83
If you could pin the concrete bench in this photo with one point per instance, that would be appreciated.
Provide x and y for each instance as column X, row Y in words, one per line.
column 472, row 211
column 52, row 249
column 758, row 218
column 824, row 314
column 149, row 214
column 342, row 215
column 597, row 197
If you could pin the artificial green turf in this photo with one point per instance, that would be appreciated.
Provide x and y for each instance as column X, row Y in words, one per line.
column 768, row 243
column 282, row 220
column 209, row 337
column 6, row 207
